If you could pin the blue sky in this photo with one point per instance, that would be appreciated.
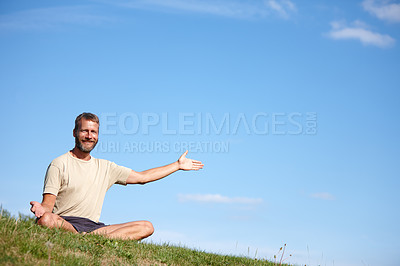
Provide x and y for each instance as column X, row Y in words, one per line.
column 291, row 105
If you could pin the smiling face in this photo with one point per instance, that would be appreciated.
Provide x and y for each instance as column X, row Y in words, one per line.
column 86, row 135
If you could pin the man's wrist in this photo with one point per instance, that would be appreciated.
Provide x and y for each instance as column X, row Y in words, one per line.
column 46, row 208
column 177, row 165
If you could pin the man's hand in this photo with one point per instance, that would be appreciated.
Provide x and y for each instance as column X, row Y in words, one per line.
column 37, row 209
column 47, row 205
column 157, row 173
column 189, row 164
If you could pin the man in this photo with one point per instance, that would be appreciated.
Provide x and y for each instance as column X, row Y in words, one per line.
column 76, row 183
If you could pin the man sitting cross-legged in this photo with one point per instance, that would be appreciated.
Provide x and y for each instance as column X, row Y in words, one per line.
column 76, row 183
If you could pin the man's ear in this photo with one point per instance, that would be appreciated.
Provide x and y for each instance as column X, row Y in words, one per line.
column 73, row 133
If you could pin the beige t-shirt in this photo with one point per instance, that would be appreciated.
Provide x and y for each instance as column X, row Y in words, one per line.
column 80, row 186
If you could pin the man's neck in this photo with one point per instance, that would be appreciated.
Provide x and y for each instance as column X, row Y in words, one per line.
column 80, row 154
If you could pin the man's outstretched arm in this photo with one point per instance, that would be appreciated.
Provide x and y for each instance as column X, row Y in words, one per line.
column 47, row 205
column 157, row 173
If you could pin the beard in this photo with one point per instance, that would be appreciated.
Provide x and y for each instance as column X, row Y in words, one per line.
column 79, row 144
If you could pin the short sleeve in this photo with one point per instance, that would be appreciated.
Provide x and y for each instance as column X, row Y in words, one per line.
column 118, row 174
column 52, row 181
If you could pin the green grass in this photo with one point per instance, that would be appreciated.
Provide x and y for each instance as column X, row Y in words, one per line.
column 22, row 242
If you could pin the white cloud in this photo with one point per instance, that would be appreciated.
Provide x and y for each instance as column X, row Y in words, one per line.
column 167, row 235
column 358, row 31
column 217, row 198
column 283, row 7
column 226, row 8
column 323, row 196
column 219, row 8
column 383, row 10
column 47, row 18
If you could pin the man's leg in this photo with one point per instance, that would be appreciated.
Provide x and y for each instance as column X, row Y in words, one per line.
column 52, row 220
column 132, row 230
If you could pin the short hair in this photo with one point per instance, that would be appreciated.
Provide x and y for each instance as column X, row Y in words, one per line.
column 86, row 116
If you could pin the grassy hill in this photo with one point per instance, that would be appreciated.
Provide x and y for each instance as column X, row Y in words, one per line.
column 22, row 242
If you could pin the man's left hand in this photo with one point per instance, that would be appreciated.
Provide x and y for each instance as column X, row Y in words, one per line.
column 189, row 164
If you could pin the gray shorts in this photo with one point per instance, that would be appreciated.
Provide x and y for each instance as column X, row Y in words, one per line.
column 83, row 224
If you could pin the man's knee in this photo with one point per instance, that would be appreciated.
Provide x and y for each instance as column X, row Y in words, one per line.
column 48, row 220
column 150, row 228
column 147, row 228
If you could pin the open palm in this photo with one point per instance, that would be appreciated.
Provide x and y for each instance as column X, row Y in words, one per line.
column 189, row 164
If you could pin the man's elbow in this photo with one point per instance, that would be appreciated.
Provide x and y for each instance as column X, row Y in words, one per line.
column 141, row 182
column 137, row 178
column 143, row 178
